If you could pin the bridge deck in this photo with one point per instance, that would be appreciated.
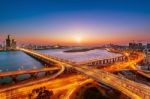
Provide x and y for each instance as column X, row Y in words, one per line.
column 19, row 72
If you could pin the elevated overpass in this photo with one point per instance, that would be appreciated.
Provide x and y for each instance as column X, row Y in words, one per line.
column 33, row 82
column 32, row 72
column 130, row 88
column 21, row 72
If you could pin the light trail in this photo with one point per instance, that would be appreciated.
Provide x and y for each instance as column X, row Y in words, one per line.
column 58, row 85
column 129, row 64
column 71, row 93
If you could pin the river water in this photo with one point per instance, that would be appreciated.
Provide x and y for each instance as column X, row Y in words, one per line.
column 16, row 60
column 80, row 56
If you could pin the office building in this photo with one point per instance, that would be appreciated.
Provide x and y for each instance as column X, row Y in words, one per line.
column 8, row 42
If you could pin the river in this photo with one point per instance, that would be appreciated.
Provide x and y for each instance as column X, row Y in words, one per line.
column 16, row 60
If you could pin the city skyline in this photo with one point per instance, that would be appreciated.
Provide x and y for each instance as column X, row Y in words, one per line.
column 75, row 22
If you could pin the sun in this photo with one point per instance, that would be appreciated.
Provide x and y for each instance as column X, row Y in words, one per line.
column 78, row 39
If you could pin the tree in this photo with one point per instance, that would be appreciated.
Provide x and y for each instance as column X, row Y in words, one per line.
column 40, row 93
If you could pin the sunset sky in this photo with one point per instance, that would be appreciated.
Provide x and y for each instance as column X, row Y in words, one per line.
column 86, row 22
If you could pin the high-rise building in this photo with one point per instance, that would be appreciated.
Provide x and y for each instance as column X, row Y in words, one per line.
column 133, row 45
column 8, row 42
column 148, row 45
column 136, row 46
column 13, row 43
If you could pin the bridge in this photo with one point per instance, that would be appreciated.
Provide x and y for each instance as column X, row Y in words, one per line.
column 104, row 61
column 132, row 89
column 32, row 72
column 33, row 82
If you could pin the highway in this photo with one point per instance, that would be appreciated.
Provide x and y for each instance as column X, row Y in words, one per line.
column 59, row 86
column 110, row 81
column 130, row 64
column 120, row 83
column 34, row 82
column 130, row 88
column 71, row 93
column 20, row 72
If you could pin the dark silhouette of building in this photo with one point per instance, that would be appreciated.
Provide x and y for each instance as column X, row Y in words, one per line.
column 1, row 46
column 136, row 46
column 148, row 45
column 140, row 45
column 8, row 42
column 13, row 43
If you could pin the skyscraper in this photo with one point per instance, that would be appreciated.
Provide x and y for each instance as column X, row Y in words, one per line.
column 13, row 43
column 8, row 42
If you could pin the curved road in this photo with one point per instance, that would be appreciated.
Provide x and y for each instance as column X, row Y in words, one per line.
column 20, row 72
column 71, row 93
column 34, row 82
